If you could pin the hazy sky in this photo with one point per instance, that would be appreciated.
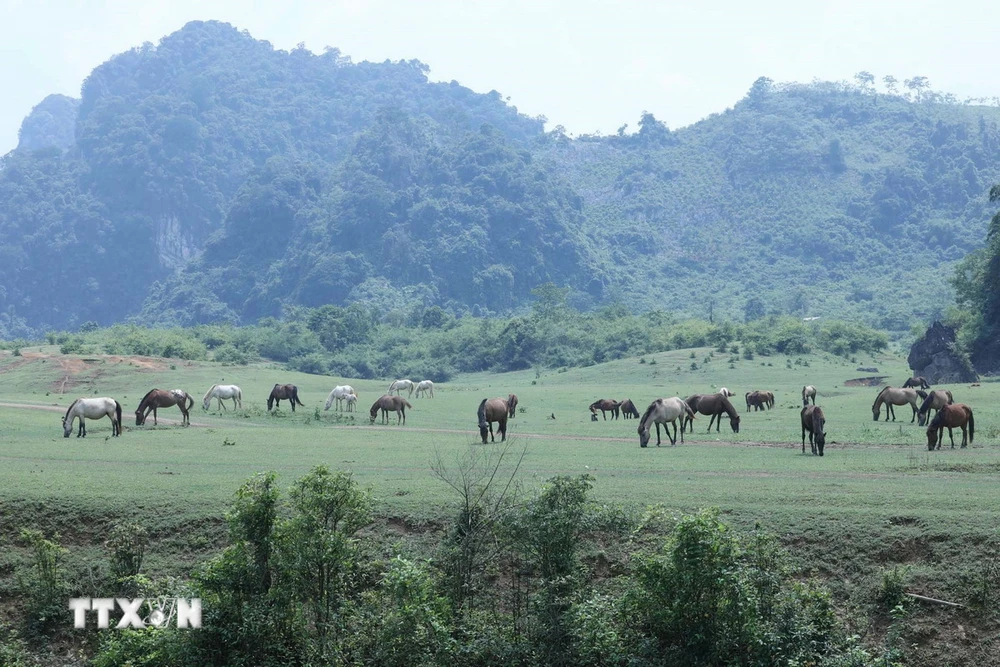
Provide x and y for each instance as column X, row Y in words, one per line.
column 587, row 65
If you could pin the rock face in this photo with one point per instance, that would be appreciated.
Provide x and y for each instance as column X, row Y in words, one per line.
column 934, row 357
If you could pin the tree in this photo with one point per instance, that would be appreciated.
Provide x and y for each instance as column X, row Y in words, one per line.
column 890, row 83
column 918, row 85
column 754, row 309
column 866, row 81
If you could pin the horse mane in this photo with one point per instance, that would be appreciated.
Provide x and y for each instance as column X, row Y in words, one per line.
column 727, row 405
column 66, row 416
column 879, row 396
column 481, row 413
column 146, row 397
column 921, row 393
column 645, row 415
column 209, row 392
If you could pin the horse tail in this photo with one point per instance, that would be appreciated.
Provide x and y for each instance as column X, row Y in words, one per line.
column 295, row 397
column 407, row 403
column 118, row 415
column 972, row 425
column 481, row 413
column 188, row 397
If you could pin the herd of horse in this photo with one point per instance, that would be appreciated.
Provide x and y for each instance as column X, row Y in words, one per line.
column 662, row 411
column 344, row 395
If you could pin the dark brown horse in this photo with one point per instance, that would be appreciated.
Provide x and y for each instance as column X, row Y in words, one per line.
column 161, row 398
column 628, row 409
column 493, row 410
column 951, row 416
column 814, row 421
column 605, row 405
column 935, row 400
column 282, row 392
column 512, row 405
column 759, row 400
column 388, row 403
column 917, row 382
column 714, row 405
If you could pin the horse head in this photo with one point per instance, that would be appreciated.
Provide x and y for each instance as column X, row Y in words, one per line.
column 138, row 418
column 735, row 423
column 643, row 436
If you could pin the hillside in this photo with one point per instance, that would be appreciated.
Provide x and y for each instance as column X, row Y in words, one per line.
column 214, row 178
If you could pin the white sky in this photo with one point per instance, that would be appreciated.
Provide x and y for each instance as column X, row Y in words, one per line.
column 587, row 65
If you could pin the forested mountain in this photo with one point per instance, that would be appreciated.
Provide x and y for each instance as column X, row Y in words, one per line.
column 212, row 177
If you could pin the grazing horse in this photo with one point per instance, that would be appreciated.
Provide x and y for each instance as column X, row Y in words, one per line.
column 664, row 411
column 92, row 408
column 387, row 403
column 161, row 398
column 725, row 392
column 917, row 382
column 424, row 387
column 493, row 410
column 759, row 400
column 714, row 405
column 399, row 385
column 935, row 400
column 223, row 391
column 340, row 394
column 813, row 421
column 808, row 392
column 950, row 416
column 628, row 409
column 894, row 396
column 283, row 392
column 605, row 405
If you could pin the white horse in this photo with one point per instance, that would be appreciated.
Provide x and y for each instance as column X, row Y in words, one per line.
column 339, row 393
column 725, row 392
column 223, row 391
column 399, row 385
column 808, row 392
column 92, row 408
column 424, row 387
column 664, row 411
column 351, row 400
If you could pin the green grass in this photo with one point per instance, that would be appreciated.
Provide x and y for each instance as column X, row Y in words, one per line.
column 876, row 499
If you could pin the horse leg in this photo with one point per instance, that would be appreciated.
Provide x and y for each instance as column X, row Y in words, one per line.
column 951, row 436
column 503, row 430
column 82, row 432
column 666, row 427
column 657, row 434
column 914, row 406
column 710, row 421
column 155, row 423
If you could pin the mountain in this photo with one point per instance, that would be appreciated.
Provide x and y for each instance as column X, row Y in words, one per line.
column 211, row 177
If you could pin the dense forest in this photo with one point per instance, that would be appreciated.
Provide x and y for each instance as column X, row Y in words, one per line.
column 212, row 178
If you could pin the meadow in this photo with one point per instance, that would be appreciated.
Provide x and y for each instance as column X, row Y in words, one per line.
column 877, row 499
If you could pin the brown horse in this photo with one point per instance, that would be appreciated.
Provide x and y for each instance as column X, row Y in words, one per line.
column 714, row 405
column 605, row 405
column 917, row 382
column 813, row 421
column 282, row 392
column 388, row 403
column 951, row 416
column 895, row 396
column 161, row 398
column 759, row 400
column 493, row 410
column 628, row 409
column 512, row 405
column 935, row 400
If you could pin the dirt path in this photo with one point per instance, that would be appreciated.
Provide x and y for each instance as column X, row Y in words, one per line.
column 60, row 409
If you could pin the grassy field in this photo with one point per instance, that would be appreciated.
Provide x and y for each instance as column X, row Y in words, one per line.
column 877, row 499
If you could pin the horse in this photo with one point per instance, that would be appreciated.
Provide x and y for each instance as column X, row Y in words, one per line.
column 425, row 386
column 769, row 398
column 493, row 410
column 950, row 416
column 339, row 394
column 161, row 398
column 628, row 409
column 605, row 405
column 935, row 400
column 92, row 408
column 511, row 405
column 714, row 405
column 813, row 421
column 895, row 396
column 759, row 400
column 387, row 403
column 223, row 391
column 399, row 385
column 917, row 382
column 725, row 392
column 282, row 392
column 351, row 400
column 808, row 392
column 664, row 411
